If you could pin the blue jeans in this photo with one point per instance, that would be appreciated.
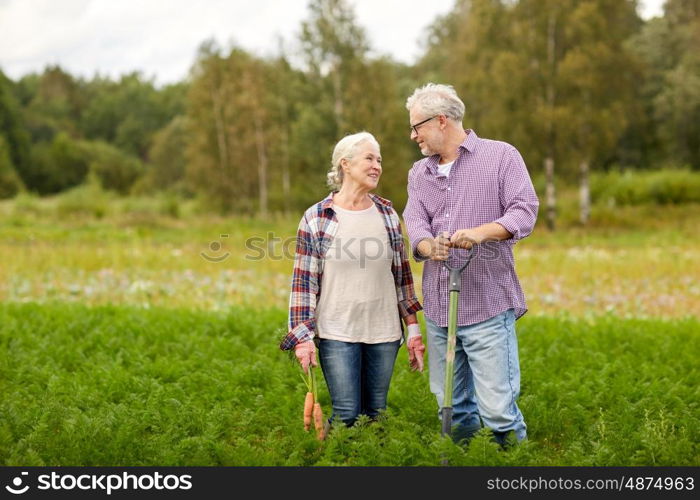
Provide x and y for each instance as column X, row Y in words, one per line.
column 487, row 376
column 357, row 376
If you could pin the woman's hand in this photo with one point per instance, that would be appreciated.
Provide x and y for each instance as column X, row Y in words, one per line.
column 415, row 346
column 306, row 354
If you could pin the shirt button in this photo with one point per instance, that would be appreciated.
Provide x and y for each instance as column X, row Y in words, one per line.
column 449, row 189
column 447, row 215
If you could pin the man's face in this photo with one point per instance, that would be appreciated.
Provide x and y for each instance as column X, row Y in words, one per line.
column 427, row 135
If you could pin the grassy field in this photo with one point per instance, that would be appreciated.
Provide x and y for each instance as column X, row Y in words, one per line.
column 125, row 343
column 123, row 386
column 640, row 262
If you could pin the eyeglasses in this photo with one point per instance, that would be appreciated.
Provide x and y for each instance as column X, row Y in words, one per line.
column 415, row 127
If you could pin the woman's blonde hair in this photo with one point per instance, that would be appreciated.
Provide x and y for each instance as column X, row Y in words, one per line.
column 345, row 149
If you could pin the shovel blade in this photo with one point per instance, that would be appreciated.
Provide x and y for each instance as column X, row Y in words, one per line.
column 447, row 421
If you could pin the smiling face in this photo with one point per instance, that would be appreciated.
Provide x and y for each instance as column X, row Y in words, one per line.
column 365, row 166
column 429, row 134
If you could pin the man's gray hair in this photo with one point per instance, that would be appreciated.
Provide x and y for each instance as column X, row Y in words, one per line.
column 436, row 99
column 345, row 149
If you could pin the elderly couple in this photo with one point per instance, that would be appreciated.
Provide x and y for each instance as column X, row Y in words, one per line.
column 352, row 284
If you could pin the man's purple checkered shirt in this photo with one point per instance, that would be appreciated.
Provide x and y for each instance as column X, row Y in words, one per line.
column 488, row 182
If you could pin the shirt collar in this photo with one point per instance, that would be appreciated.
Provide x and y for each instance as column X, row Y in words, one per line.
column 469, row 144
column 378, row 200
column 327, row 201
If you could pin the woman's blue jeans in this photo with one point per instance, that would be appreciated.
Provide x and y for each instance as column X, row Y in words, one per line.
column 358, row 376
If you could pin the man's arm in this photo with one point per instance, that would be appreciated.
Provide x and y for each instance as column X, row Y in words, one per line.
column 517, row 196
column 417, row 219
column 466, row 238
column 520, row 205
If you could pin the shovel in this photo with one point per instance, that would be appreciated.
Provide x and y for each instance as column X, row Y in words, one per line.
column 455, row 287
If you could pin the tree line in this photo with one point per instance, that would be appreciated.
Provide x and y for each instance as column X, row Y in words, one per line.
column 577, row 86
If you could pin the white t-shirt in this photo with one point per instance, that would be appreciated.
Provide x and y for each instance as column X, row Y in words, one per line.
column 445, row 169
column 358, row 300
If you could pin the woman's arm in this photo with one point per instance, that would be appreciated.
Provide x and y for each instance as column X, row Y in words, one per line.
column 408, row 302
column 411, row 319
column 305, row 288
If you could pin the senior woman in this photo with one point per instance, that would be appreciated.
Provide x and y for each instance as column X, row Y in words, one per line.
column 352, row 285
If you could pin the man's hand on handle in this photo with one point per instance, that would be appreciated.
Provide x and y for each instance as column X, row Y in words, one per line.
column 435, row 248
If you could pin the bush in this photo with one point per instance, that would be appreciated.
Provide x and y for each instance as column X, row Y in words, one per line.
column 26, row 204
column 115, row 169
column 170, row 206
column 149, row 208
column 87, row 199
column 56, row 166
column 673, row 186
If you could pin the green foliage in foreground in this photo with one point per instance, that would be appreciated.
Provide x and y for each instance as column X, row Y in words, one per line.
column 128, row 386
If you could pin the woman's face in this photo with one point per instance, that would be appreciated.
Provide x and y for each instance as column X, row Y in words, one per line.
column 364, row 168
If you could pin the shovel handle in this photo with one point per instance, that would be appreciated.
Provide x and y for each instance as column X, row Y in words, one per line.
column 470, row 254
column 456, row 271
column 455, row 286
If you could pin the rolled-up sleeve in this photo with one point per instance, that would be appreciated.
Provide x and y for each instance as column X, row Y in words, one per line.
column 517, row 196
column 305, row 289
column 416, row 217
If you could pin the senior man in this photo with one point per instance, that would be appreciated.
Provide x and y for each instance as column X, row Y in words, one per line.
column 470, row 192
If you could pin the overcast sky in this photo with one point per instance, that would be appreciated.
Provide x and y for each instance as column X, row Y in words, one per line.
column 160, row 37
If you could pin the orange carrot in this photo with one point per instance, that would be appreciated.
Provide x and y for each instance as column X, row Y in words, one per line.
column 308, row 408
column 318, row 421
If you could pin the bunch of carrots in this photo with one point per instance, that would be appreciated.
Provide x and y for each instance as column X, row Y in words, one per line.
column 312, row 408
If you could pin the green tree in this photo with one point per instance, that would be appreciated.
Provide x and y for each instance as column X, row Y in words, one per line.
column 466, row 48
column 598, row 75
column 228, row 115
column 167, row 155
column 10, row 183
column 55, row 103
column 256, row 105
column 56, row 165
column 667, row 46
column 15, row 144
column 378, row 107
column 677, row 106
column 127, row 113
column 346, row 92
column 334, row 47
column 553, row 77
column 286, row 87
column 503, row 59
column 115, row 169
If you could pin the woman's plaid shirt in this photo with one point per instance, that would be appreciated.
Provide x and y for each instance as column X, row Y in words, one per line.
column 316, row 231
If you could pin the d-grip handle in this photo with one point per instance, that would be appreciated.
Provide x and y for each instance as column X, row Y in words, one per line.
column 456, row 271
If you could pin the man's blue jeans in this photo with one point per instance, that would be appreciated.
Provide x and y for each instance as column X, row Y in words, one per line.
column 357, row 376
column 487, row 376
